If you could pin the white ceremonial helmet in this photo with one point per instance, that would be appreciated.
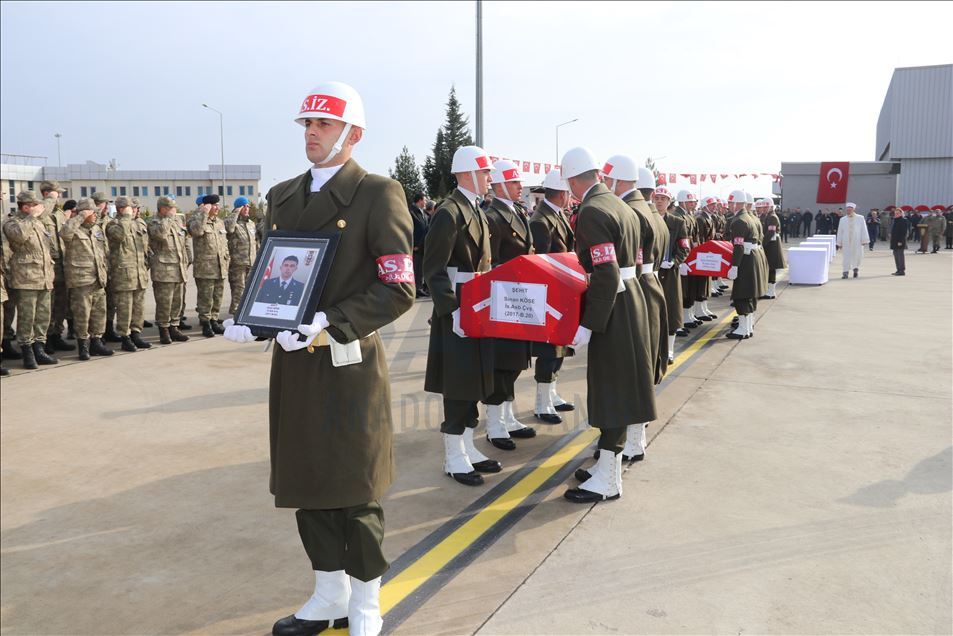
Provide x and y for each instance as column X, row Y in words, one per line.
column 621, row 168
column 662, row 191
column 763, row 203
column 470, row 159
column 555, row 181
column 686, row 195
column 646, row 179
column 738, row 196
column 748, row 197
column 578, row 160
column 505, row 170
column 333, row 100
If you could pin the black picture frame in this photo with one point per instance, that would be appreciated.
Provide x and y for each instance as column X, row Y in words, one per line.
column 266, row 308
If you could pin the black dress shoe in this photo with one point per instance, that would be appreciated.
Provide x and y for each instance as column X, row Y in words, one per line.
column 548, row 418
column 671, row 360
column 523, row 433
column 503, row 443
column 582, row 474
column 705, row 318
column 633, row 459
column 898, row 274
column 488, row 466
column 689, row 325
column 731, row 335
column 294, row 626
column 468, row 479
column 681, row 333
column 713, row 316
column 565, row 406
column 579, row 495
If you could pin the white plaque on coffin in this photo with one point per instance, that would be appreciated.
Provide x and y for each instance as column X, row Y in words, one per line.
column 808, row 265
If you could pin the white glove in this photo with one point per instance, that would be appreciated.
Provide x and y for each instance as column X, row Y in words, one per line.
column 289, row 340
column 667, row 264
column 733, row 272
column 581, row 339
column 237, row 333
column 318, row 324
column 683, row 269
column 457, row 329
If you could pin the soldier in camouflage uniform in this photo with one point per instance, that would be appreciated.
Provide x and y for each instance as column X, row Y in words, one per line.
column 211, row 263
column 127, row 272
column 136, row 214
column 85, row 268
column 169, row 266
column 3, row 297
column 53, row 219
column 10, row 352
column 242, row 249
column 102, row 211
column 31, row 276
column 181, row 219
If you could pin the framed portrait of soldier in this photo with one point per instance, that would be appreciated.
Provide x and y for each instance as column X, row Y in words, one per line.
column 285, row 284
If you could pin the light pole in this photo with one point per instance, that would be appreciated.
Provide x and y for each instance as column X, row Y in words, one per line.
column 557, row 135
column 221, row 132
column 479, row 73
column 59, row 157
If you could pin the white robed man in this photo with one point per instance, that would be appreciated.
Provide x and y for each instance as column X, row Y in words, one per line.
column 852, row 237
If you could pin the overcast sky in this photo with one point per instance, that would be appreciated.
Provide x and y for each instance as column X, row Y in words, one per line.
column 711, row 87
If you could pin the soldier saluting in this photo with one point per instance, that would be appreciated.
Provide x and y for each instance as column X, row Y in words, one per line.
column 331, row 431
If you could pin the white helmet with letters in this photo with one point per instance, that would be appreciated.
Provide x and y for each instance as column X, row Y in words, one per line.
column 470, row 159
column 621, row 168
column 686, row 195
column 333, row 100
column 737, row 196
column 505, row 170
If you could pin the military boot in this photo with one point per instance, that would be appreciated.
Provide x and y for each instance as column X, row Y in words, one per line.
column 29, row 361
column 164, row 337
column 128, row 344
column 110, row 334
column 146, row 324
column 55, row 342
column 177, row 335
column 70, row 330
column 207, row 330
column 9, row 352
column 137, row 340
column 83, row 348
column 4, row 371
column 217, row 327
column 98, row 348
column 184, row 326
column 39, row 353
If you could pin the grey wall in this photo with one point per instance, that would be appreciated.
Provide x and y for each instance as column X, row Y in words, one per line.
column 926, row 181
column 870, row 185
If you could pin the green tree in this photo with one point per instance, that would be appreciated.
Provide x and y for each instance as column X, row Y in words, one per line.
column 454, row 133
column 406, row 172
column 650, row 164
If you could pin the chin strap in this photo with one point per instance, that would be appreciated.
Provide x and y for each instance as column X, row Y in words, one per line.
column 338, row 145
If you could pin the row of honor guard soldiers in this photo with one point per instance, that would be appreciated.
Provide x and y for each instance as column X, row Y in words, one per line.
column 93, row 271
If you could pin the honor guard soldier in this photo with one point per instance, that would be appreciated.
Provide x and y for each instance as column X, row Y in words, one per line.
column 711, row 210
column 31, row 277
column 689, row 283
column 53, row 218
column 127, row 274
column 329, row 405
column 745, row 265
column 621, row 175
column 551, row 235
column 509, row 238
column 242, row 250
column 457, row 250
column 85, row 266
column 169, row 269
column 704, row 232
column 770, row 225
column 210, row 245
column 620, row 377
column 676, row 253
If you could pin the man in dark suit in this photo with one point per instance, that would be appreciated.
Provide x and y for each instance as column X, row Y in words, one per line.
column 421, row 225
column 283, row 289
column 807, row 218
column 898, row 241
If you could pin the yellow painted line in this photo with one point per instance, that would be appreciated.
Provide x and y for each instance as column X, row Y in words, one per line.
column 405, row 583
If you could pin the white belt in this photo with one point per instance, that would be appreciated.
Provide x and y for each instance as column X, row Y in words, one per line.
column 458, row 278
column 647, row 268
column 750, row 247
column 627, row 273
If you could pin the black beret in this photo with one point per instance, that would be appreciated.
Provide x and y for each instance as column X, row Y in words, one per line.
column 210, row 198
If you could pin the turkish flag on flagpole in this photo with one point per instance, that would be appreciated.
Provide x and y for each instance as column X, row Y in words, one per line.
column 832, row 182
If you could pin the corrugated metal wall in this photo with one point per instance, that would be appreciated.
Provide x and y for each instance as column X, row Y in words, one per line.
column 921, row 113
column 884, row 123
column 926, row 181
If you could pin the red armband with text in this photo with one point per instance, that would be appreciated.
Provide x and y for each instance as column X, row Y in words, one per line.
column 395, row 268
column 602, row 253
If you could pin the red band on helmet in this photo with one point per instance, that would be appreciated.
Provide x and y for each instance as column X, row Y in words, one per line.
column 606, row 169
column 602, row 253
column 511, row 173
column 327, row 104
column 482, row 162
column 395, row 268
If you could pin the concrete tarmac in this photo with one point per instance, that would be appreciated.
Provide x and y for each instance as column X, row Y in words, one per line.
column 798, row 482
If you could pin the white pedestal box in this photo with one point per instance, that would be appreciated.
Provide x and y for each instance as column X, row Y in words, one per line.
column 808, row 265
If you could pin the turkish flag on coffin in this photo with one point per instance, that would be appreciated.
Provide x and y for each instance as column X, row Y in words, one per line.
column 536, row 297
column 711, row 258
column 832, row 182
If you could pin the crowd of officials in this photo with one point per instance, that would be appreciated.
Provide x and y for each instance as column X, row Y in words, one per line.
column 926, row 225
column 79, row 270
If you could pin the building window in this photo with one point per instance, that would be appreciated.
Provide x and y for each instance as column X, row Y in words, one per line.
column 221, row 192
column 29, row 185
column 165, row 190
column 135, row 191
column 241, row 190
column 178, row 191
column 228, row 189
column 92, row 190
column 158, row 191
column 251, row 190
column 188, row 191
column 122, row 190
column 145, row 191
column 113, row 190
